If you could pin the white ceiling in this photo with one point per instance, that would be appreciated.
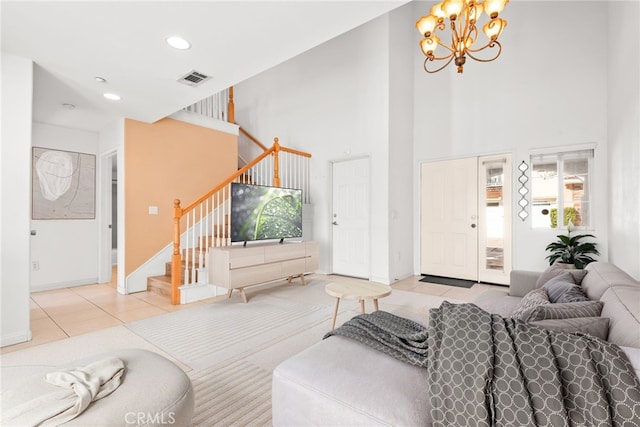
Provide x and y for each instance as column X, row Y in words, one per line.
column 124, row 42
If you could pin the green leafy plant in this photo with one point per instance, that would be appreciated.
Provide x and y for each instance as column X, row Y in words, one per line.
column 571, row 250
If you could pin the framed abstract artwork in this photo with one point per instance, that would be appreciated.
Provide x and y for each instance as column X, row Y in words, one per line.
column 63, row 184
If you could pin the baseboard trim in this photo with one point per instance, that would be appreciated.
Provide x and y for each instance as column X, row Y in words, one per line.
column 60, row 285
column 16, row 338
column 197, row 292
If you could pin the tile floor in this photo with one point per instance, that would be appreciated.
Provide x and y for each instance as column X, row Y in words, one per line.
column 62, row 313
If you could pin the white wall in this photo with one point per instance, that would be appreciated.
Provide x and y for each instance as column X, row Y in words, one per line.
column 15, row 198
column 401, row 37
column 623, row 113
column 67, row 250
column 543, row 92
column 350, row 97
column 333, row 103
column 111, row 142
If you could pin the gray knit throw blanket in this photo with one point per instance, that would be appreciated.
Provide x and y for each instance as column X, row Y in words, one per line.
column 486, row 370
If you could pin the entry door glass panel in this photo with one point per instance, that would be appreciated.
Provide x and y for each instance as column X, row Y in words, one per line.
column 494, row 219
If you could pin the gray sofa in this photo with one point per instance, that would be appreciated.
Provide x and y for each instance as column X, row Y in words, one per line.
column 338, row 381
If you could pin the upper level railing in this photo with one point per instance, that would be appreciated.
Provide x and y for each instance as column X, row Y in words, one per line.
column 215, row 106
column 206, row 220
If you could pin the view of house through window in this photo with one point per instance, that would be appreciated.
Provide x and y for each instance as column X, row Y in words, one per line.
column 560, row 189
column 495, row 216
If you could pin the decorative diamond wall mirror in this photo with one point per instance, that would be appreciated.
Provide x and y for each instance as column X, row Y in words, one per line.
column 523, row 214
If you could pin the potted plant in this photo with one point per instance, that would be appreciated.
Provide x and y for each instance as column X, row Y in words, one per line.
column 570, row 250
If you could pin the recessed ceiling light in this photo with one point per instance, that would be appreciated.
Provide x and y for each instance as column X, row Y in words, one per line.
column 178, row 43
column 68, row 106
column 112, row 96
column 100, row 79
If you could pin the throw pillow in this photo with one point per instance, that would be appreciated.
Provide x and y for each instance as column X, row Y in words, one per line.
column 556, row 270
column 558, row 285
column 595, row 326
column 573, row 294
column 563, row 311
column 562, row 289
column 532, row 299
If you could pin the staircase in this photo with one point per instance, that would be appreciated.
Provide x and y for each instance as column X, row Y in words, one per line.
column 196, row 268
column 205, row 224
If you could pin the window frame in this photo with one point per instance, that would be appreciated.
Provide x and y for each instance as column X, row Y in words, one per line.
column 560, row 155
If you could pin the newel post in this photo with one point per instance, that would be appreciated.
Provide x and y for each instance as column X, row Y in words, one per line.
column 231, row 108
column 276, row 166
column 176, row 259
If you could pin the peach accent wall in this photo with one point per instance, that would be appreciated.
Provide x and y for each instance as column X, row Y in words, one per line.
column 168, row 160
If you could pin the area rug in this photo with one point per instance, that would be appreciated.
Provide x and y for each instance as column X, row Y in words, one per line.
column 461, row 283
column 228, row 348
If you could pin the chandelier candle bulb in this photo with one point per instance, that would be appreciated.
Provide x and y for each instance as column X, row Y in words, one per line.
column 494, row 28
column 463, row 16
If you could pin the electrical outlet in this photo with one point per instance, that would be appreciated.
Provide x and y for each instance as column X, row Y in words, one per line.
column 35, row 265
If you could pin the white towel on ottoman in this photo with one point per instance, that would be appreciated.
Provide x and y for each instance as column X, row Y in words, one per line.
column 81, row 387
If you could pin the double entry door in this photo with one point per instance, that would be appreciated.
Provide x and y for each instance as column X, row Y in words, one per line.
column 465, row 218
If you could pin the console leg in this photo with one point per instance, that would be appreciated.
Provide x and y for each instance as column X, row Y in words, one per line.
column 243, row 295
column 375, row 304
column 362, row 306
column 302, row 279
column 229, row 292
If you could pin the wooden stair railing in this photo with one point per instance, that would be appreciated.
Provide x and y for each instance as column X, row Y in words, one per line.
column 210, row 212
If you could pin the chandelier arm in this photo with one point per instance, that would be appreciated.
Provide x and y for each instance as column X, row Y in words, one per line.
column 473, row 31
column 466, row 32
column 491, row 44
column 435, row 71
column 454, row 36
column 446, row 47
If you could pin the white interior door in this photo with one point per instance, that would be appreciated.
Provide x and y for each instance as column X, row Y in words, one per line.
column 351, row 218
column 449, row 230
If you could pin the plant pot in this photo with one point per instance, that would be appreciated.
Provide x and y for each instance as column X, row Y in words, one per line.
column 566, row 265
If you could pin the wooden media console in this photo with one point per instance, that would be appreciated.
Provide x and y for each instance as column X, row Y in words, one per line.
column 236, row 267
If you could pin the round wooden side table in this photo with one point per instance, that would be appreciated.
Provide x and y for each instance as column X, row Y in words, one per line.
column 356, row 290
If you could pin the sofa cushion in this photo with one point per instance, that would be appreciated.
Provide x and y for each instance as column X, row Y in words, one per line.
column 601, row 276
column 622, row 306
column 595, row 326
column 533, row 299
column 562, row 288
column 497, row 301
column 344, row 382
column 556, row 270
column 563, row 311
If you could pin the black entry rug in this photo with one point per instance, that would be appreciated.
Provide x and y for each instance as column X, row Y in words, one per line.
column 447, row 281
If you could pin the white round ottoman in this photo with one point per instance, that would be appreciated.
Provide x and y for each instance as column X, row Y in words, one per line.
column 153, row 392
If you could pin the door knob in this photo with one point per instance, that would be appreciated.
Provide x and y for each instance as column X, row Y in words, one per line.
column 473, row 226
column 334, row 223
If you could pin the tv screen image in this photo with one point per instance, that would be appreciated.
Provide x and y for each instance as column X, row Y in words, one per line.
column 261, row 212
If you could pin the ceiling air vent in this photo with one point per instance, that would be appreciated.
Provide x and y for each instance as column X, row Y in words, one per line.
column 193, row 78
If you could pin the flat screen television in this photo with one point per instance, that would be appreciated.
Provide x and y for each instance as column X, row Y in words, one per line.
column 261, row 213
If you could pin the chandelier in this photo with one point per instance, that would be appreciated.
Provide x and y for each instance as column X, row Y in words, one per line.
column 463, row 16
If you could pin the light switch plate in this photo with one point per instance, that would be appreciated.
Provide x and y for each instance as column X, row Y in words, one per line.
column 153, row 210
